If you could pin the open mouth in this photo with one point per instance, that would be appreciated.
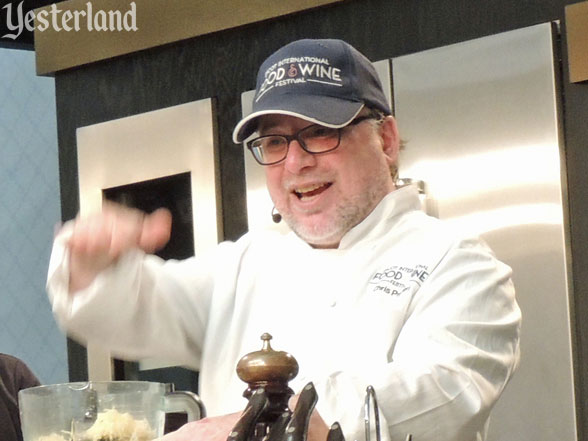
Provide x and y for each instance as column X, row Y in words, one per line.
column 311, row 190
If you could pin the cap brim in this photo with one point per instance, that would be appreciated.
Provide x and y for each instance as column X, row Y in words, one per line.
column 323, row 110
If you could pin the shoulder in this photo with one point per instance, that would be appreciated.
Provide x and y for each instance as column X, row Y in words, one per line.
column 439, row 245
column 15, row 373
column 421, row 230
column 9, row 363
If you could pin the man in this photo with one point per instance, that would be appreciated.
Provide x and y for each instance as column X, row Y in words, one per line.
column 14, row 376
column 368, row 290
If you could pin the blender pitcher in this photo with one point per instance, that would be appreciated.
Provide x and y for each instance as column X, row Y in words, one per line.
column 105, row 411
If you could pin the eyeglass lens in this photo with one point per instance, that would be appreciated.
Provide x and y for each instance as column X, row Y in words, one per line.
column 314, row 139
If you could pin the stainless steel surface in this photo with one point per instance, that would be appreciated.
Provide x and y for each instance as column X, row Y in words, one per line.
column 259, row 204
column 480, row 121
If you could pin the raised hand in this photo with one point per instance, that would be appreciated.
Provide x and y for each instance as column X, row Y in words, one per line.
column 100, row 239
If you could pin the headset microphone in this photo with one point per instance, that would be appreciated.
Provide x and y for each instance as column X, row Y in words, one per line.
column 276, row 217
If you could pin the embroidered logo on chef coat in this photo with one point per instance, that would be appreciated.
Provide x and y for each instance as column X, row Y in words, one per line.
column 397, row 279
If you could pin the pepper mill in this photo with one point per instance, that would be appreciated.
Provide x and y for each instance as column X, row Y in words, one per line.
column 267, row 373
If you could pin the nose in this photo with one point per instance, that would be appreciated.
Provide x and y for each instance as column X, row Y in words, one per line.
column 298, row 158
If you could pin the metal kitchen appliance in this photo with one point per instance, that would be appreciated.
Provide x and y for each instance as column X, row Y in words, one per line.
column 109, row 410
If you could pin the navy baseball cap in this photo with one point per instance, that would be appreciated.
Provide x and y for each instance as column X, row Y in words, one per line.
column 325, row 82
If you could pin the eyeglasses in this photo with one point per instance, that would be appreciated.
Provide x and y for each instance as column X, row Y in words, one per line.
column 314, row 139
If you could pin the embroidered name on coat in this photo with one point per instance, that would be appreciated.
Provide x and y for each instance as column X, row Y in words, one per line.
column 397, row 279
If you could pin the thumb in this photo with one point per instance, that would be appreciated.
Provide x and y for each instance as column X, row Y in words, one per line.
column 156, row 230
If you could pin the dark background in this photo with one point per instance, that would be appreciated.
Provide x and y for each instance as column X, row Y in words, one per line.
column 26, row 39
column 224, row 64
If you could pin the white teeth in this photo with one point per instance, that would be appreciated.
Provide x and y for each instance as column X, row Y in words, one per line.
column 303, row 190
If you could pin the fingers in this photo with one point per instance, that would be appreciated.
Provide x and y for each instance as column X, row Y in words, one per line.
column 99, row 239
column 117, row 229
column 105, row 234
column 156, row 230
column 91, row 236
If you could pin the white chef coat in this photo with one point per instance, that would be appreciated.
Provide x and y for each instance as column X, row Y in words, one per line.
column 405, row 304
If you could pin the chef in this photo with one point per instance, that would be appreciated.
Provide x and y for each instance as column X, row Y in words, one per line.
column 366, row 290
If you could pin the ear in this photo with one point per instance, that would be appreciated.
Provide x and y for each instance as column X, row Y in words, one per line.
column 391, row 139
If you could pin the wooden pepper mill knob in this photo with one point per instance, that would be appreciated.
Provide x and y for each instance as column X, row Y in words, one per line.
column 271, row 370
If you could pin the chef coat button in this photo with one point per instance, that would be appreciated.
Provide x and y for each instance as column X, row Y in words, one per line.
column 333, row 304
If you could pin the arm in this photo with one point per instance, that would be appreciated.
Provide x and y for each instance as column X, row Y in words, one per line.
column 24, row 376
column 105, row 288
column 206, row 429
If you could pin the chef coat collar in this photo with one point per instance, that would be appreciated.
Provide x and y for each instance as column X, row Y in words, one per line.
column 399, row 201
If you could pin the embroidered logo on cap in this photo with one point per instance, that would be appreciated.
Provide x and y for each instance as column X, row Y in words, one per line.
column 299, row 70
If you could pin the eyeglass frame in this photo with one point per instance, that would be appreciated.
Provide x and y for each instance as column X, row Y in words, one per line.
column 374, row 114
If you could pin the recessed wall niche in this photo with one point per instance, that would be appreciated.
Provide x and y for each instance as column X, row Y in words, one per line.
column 171, row 192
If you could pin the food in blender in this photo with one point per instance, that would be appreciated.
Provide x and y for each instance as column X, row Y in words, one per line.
column 110, row 425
